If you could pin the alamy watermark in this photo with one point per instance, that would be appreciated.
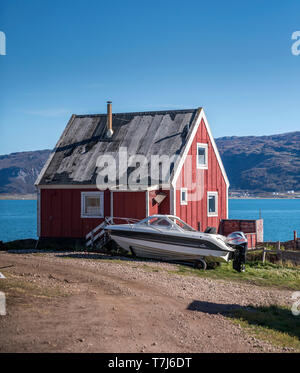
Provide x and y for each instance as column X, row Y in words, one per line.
column 295, row 49
column 2, row 43
column 124, row 171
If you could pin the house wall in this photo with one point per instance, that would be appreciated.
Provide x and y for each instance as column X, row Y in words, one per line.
column 129, row 204
column 163, row 207
column 60, row 212
column 201, row 181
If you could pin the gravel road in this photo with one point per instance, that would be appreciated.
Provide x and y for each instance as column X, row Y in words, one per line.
column 84, row 302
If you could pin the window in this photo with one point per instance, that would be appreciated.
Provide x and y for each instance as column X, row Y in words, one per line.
column 183, row 196
column 212, row 203
column 202, row 156
column 92, row 204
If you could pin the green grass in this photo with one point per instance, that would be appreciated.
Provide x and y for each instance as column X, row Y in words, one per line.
column 275, row 324
column 256, row 273
column 268, row 274
column 18, row 285
column 148, row 268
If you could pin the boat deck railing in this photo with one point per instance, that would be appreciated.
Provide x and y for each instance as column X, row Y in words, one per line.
column 99, row 231
column 131, row 222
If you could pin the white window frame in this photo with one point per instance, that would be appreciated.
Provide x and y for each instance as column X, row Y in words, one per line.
column 92, row 194
column 215, row 194
column 205, row 147
column 183, row 202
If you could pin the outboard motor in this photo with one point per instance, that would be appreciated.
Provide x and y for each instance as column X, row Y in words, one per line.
column 240, row 243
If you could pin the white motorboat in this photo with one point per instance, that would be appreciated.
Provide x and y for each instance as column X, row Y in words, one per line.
column 167, row 237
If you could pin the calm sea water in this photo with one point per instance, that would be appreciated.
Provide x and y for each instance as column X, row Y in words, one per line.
column 17, row 219
column 281, row 217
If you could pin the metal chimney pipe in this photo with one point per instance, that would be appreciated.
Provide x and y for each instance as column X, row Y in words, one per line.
column 109, row 119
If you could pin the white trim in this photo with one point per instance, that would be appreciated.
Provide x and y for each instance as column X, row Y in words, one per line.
column 65, row 186
column 215, row 194
column 172, row 197
column 154, row 187
column 201, row 166
column 177, row 168
column 149, row 189
column 46, row 165
column 112, row 204
column 90, row 186
column 183, row 202
column 201, row 115
column 38, row 226
column 215, row 149
column 227, row 202
column 147, row 203
column 90, row 194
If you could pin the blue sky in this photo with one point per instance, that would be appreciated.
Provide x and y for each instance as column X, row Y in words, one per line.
column 69, row 56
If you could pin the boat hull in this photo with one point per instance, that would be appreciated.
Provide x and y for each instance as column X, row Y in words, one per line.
column 169, row 248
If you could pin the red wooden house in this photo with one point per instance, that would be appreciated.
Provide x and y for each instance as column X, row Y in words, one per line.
column 70, row 204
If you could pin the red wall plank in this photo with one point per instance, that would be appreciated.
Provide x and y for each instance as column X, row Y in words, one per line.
column 211, row 180
column 61, row 213
column 130, row 204
column 164, row 207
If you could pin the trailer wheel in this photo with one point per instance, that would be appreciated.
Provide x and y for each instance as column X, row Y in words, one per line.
column 213, row 265
column 132, row 252
column 200, row 264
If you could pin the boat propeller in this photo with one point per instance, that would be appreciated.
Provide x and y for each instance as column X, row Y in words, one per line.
column 239, row 241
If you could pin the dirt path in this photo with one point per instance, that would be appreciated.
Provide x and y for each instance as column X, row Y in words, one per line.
column 60, row 302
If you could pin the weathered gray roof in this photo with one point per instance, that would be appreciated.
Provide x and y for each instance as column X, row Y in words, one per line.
column 73, row 160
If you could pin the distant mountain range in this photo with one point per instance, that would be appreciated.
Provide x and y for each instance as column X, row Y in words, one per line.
column 252, row 163
column 18, row 171
column 262, row 163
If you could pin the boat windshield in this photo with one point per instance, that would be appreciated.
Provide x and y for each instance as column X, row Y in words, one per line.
column 166, row 222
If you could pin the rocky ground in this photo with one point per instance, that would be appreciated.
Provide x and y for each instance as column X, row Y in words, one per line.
column 83, row 302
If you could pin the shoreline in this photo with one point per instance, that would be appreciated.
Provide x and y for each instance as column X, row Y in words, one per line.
column 18, row 197
column 263, row 198
column 33, row 197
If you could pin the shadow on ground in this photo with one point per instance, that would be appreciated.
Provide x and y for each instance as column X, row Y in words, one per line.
column 272, row 317
column 93, row 255
column 30, row 251
column 128, row 258
column 76, row 255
